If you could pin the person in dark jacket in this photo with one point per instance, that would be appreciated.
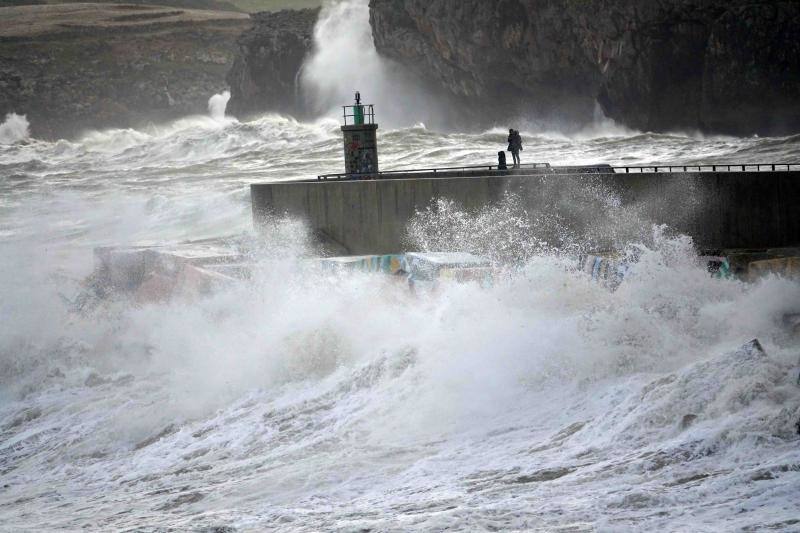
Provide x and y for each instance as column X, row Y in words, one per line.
column 514, row 145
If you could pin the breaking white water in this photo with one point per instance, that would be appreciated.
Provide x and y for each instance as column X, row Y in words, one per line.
column 305, row 402
column 217, row 105
column 14, row 129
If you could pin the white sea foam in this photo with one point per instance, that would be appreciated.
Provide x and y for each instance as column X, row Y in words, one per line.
column 15, row 128
column 303, row 387
column 309, row 401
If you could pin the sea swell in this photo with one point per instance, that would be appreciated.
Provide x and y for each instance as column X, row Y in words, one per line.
column 306, row 400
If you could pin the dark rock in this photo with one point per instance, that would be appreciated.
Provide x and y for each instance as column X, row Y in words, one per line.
column 70, row 68
column 265, row 74
column 751, row 81
column 752, row 348
column 715, row 65
column 508, row 58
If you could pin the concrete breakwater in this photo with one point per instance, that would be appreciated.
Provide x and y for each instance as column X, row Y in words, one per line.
column 720, row 210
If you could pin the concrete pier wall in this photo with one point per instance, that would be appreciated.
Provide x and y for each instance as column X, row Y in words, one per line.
column 719, row 210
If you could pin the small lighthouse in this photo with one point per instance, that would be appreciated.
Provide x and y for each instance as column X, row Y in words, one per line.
column 360, row 140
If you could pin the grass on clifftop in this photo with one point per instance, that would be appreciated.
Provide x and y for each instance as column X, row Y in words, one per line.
column 249, row 6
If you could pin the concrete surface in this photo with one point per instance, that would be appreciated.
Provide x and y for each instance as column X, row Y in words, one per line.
column 718, row 209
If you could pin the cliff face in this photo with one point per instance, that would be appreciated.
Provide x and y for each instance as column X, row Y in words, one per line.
column 265, row 73
column 78, row 66
column 716, row 65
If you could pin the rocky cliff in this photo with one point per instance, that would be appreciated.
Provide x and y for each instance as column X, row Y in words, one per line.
column 715, row 65
column 80, row 66
column 270, row 56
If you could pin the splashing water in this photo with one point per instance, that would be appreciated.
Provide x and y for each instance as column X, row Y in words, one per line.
column 345, row 61
column 217, row 105
column 305, row 400
column 14, row 129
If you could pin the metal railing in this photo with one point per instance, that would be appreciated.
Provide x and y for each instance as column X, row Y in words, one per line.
column 746, row 167
column 593, row 169
column 359, row 114
column 434, row 171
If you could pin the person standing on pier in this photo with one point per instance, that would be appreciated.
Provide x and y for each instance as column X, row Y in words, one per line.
column 514, row 145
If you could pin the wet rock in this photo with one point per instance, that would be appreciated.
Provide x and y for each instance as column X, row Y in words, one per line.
column 752, row 59
column 75, row 67
column 717, row 65
column 270, row 56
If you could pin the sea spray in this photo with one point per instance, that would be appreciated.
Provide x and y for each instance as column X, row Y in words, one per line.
column 217, row 105
column 503, row 232
column 540, row 386
column 345, row 60
column 308, row 400
column 564, row 217
column 15, row 128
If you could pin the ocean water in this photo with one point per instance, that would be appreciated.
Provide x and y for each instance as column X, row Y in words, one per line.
column 305, row 402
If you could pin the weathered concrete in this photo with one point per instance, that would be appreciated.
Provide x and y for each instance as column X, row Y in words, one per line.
column 719, row 210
